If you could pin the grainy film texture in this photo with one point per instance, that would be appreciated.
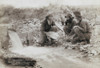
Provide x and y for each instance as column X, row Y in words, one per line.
column 49, row 34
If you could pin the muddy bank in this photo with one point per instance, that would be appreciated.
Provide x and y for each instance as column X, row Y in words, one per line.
column 54, row 57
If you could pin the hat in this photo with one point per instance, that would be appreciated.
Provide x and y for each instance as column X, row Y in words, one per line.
column 50, row 15
column 77, row 14
column 68, row 15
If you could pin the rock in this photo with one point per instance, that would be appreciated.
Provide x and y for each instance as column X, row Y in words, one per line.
column 15, row 61
column 93, row 53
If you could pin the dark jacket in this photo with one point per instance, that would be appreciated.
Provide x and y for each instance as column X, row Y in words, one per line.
column 45, row 26
column 84, row 26
column 70, row 23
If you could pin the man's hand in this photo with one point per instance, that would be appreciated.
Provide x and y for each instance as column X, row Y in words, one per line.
column 54, row 28
column 78, row 28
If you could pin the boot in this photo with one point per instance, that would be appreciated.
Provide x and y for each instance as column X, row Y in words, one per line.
column 75, row 40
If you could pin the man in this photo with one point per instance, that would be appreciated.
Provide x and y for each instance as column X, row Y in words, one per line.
column 81, row 30
column 69, row 24
column 47, row 25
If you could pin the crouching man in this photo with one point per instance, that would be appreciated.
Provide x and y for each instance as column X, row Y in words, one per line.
column 68, row 28
column 47, row 26
column 81, row 30
column 69, row 23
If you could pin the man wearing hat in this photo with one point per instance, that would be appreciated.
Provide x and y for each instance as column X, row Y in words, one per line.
column 47, row 25
column 81, row 30
column 69, row 23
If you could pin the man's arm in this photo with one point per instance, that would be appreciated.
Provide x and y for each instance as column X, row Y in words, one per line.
column 84, row 26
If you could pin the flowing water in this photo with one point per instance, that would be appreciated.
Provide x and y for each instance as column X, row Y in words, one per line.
column 15, row 40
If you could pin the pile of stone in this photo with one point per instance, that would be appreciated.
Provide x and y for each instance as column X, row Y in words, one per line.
column 12, row 59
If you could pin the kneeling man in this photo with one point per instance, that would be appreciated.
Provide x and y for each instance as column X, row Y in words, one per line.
column 81, row 30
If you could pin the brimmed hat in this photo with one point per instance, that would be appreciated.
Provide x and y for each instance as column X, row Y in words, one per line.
column 68, row 15
column 77, row 14
column 50, row 15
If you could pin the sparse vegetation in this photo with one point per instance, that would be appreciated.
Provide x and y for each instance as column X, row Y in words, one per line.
column 19, row 17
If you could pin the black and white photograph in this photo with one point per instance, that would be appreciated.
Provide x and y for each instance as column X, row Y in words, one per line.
column 49, row 34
